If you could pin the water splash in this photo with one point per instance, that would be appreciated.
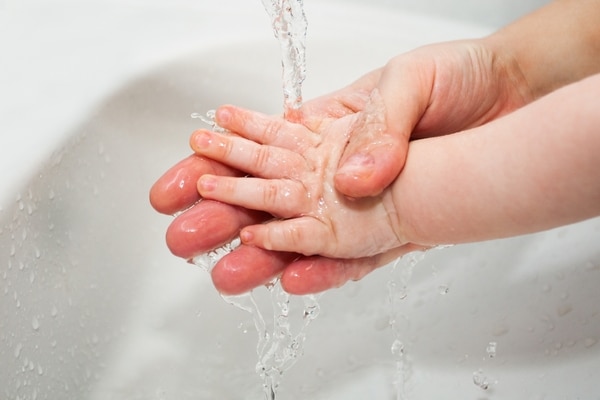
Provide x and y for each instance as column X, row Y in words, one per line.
column 290, row 27
column 279, row 345
column 209, row 119
column 208, row 260
column 481, row 380
column 401, row 272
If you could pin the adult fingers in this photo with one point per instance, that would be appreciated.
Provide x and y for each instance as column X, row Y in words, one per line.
column 176, row 189
column 248, row 267
column 245, row 155
column 308, row 275
column 207, row 225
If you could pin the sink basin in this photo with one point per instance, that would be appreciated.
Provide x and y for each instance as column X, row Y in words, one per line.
column 95, row 307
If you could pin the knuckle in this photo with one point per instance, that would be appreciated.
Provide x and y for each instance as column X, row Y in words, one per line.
column 226, row 147
column 295, row 236
column 261, row 158
column 271, row 194
column 271, row 131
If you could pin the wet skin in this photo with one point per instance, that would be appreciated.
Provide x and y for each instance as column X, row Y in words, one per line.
column 427, row 104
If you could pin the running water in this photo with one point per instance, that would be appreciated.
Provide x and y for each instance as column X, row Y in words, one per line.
column 290, row 26
column 279, row 345
column 397, row 292
column 278, row 348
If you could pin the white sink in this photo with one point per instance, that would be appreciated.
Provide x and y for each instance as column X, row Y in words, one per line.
column 93, row 306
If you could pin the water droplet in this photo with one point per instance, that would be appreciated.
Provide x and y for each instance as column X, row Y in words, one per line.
column 443, row 289
column 35, row 323
column 491, row 349
column 563, row 309
column 480, row 380
column 18, row 349
column 397, row 348
column 51, row 194
column 311, row 312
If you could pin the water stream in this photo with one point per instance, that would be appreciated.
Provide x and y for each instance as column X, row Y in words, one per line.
column 280, row 342
column 401, row 273
column 290, row 27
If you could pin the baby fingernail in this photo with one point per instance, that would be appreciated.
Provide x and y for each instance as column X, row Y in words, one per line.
column 207, row 184
column 223, row 116
column 202, row 139
column 246, row 236
column 357, row 164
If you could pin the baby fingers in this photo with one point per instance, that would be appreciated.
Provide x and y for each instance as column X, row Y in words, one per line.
column 261, row 128
column 304, row 235
column 245, row 155
column 280, row 197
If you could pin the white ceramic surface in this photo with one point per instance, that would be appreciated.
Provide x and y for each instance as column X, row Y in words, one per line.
column 92, row 305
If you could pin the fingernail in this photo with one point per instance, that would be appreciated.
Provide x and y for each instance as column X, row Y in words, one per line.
column 207, row 183
column 202, row 139
column 357, row 164
column 246, row 236
column 223, row 116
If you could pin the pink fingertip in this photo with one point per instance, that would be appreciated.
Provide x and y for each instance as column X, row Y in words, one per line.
column 207, row 183
column 246, row 236
column 223, row 116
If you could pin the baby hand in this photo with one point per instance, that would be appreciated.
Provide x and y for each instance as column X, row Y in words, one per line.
column 293, row 171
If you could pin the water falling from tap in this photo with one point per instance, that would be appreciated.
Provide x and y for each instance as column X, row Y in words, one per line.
column 290, row 27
